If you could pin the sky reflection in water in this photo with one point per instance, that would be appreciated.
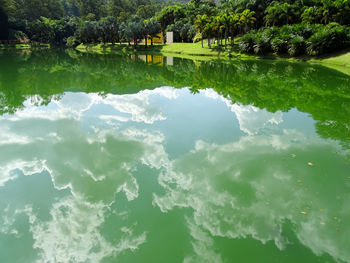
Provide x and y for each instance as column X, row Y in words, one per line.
column 126, row 168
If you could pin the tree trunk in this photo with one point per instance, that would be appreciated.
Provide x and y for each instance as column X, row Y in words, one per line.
column 151, row 41
column 209, row 42
column 146, row 38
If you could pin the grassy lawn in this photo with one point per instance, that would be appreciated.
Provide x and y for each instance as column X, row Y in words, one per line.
column 339, row 60
column 194, row 49
column 23, row 46
column 186, row 50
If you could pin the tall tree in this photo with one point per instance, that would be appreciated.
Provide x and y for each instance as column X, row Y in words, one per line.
column 200, row 24
column 109, row 29
column 96, row 7
column 247, row 19
column 168, row 15
column 34, row 9
column 4, row 25
column 153, row 28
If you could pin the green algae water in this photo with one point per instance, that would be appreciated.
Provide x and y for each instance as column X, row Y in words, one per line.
column 107, row 158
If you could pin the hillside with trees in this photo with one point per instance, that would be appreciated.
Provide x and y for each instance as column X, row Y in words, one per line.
column 300, row 27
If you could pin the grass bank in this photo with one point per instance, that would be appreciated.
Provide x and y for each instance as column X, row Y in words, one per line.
column 23, row 46
column 339, row 60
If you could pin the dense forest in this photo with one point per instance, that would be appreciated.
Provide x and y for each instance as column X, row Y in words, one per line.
column 294, row 27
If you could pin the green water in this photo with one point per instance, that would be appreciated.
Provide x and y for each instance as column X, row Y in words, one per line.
column 157, row 159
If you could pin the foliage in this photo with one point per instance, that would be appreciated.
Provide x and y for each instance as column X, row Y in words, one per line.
column 152, row 28
column 197, row 37
column 247, row 42
column 304, row 26
column 4, row 24
column 281, row 13
column 109, row 29
column 298, row 39
column 72, row 42
column 35, row 9
column 40, row 31
column 88, row 32
column 329, row 38
column 183, row 31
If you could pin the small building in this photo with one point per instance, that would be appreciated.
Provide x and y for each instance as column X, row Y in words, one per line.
column 170, row 37
column 158, row 39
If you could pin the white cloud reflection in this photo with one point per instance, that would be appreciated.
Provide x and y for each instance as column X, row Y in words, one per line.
column 230, row 193
column 236, row 195
column 251, row 119
column 137, row 107
column 72, row 234
column 52, row 139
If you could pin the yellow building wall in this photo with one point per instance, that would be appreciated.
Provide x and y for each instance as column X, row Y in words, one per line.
column 156, row 40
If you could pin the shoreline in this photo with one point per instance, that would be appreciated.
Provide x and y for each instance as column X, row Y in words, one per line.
column 339, row 61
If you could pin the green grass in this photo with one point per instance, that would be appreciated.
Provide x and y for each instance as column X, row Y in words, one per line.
column 185, row 50
column 339, row 61
column 193, row 49
column 23, row 46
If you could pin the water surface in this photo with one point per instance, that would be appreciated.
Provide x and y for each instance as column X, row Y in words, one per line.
column 153, row 159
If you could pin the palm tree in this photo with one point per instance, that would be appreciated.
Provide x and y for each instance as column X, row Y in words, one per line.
column 226, row 22
column 234, row 23
column 247, row 19
column 326, row 8
column 200, row 24
column 218, row 27
column 209, row 28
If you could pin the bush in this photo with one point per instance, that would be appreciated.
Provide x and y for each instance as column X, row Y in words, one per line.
column 297, row 46
column 247, row 42
column 262, row 45
column 18, row 36
column 41, row 32
column 72, row 42
column 197, row 37
column 296, row 40
column 329, row 38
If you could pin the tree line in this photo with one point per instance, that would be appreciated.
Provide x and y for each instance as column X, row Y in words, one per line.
column 70, row 22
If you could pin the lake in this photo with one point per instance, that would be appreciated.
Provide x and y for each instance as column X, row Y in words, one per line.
column 107, row 158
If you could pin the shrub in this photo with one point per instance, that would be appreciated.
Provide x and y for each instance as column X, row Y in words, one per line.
column 72, row 42
column 279, row 45
column 262, row 45
column 296, row 40
column 329, row 38
column 18, row 35
column 247, row 42
column 197, row 37
column 296, row 46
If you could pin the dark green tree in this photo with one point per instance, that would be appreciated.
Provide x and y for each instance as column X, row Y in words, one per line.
column 4, row 25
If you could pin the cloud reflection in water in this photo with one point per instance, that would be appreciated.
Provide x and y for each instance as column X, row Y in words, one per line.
column 245, row 188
